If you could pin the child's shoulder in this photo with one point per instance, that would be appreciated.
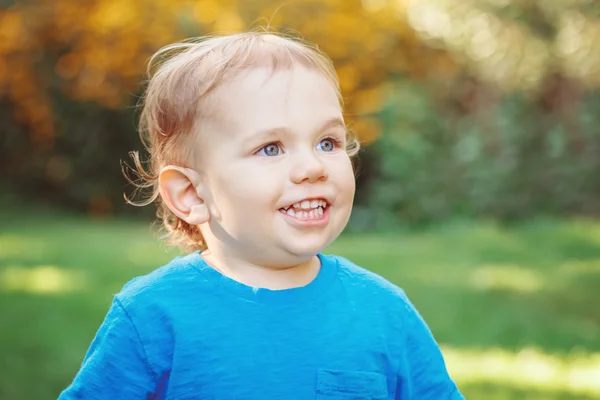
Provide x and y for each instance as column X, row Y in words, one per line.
column 374, row 292
column 367, row 281
column 171, row 279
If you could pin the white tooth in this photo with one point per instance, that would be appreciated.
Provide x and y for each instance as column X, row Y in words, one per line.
column 320, row 212
column 297, row 205
column 311, row 214
column 323, row 203
column 305, row 204
column 302, row 215
column 314, row 203
column 291, row 212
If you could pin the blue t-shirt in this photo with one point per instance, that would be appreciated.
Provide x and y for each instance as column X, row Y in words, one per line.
column 185, row 331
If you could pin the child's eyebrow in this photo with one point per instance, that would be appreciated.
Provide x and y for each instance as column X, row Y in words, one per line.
column 268, row 133
column 332, row 123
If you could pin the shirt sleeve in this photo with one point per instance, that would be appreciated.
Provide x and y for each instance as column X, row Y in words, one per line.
column 425, row 376
column 115, row 366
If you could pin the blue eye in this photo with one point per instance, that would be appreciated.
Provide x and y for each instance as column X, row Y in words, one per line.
column 270, row 150
column 327, row 145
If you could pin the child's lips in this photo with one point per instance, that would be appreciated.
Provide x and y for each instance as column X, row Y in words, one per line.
column 308, row 203
column 314, row 217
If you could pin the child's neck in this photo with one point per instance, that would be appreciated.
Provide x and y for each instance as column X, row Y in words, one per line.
column 264, row 277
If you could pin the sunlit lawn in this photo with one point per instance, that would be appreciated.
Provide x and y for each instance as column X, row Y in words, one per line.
column 517, row 310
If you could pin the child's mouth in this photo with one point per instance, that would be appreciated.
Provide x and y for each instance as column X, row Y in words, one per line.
column 307, row 210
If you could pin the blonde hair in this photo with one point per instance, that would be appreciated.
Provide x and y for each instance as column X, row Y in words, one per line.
column 181, row 77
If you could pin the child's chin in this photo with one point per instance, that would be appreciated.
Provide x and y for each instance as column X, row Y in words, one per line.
column 309, row 247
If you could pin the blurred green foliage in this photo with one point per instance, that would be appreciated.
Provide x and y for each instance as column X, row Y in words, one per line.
column 511, row 161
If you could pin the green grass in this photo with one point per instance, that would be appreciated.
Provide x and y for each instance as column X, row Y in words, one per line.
column 516, row 310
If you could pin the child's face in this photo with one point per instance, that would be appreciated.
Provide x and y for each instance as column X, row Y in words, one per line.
column 278, row 141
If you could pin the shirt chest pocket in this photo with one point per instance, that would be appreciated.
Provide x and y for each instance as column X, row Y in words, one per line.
column 351, row 385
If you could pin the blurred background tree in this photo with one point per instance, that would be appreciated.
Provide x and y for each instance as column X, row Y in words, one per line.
column 466, row 107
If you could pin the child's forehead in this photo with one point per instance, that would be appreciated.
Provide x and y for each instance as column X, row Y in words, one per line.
column 262, row 96
column 260, row 80
column 251, row 86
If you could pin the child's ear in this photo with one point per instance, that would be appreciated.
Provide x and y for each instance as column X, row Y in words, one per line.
column 179, row 189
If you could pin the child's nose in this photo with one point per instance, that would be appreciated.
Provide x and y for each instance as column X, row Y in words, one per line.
column 308, row 168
